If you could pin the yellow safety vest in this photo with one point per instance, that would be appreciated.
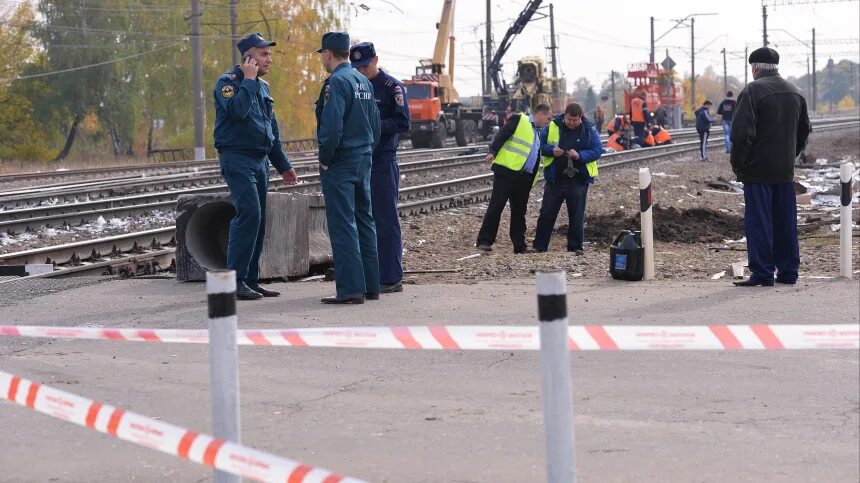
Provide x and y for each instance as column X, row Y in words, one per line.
column 552, row 139
column 515, row 151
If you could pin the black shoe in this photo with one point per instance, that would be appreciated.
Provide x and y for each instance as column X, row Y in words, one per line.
column 371, row 296
column 753, row 282
column 526, row 250
column 786, row 281
column 578, row 253
column 391, row 287
column 540, row 250
column 484, row 247
column 342, row 301
column 243, row 292
column 265, row 292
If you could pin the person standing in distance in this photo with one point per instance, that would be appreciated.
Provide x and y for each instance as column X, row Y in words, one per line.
column 348, row 129
column 704, row 119
column 769, row 129
column 247, row 139
column 725, row 110
column 385, row 173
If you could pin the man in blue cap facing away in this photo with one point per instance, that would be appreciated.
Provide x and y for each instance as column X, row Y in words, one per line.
column 385, row 173
column 247, row 139
column 348, row 129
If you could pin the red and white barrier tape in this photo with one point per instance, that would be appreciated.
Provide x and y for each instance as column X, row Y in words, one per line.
column 451, row 337
column 158, row 435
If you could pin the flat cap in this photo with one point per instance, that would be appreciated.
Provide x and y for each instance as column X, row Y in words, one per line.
column 764, row 55
column 335, row 41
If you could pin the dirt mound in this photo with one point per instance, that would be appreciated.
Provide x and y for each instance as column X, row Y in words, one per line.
column 696, row 225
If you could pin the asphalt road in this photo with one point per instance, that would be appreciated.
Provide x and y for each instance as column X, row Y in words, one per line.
column 432, row 416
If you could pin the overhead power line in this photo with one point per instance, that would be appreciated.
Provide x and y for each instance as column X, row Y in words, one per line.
column 82, row 67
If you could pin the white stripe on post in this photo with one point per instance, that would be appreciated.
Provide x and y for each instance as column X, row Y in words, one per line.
column 646, row 213
column 223, row 361
column 555, row 378
column 845, row 221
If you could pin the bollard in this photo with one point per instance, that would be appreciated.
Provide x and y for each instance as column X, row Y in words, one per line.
column 845, row 221
column 646, row 214
column 223, row 360
column 555, row 378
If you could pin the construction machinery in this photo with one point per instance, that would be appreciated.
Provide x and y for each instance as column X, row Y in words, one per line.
column 533, row 87
column 660, row 86
column 434, row 103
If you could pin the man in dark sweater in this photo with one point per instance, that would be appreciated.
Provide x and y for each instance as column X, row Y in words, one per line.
column 726, row 109
column 769, row 129
column 571, row 147
column 704, row 119
column 515, row 156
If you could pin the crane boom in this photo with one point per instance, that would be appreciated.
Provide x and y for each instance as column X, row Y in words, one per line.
column 495, row 67
column 443, row 34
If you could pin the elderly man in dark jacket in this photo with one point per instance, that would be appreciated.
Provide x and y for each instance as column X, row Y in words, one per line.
column 769, row 129
column 571, row 147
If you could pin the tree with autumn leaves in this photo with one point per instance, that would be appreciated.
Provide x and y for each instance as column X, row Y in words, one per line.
column 113, row 77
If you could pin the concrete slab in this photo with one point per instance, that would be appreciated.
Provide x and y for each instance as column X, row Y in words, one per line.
column 404, row 416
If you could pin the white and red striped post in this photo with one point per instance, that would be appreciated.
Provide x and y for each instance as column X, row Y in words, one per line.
column 845, row 222
column 555, row 378
column 223, row 360
column 646, row 213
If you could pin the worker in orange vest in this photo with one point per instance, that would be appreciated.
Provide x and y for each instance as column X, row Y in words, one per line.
column 649, row 139
column 613, row 143
column 661, row 135
column 614, row 124
column 638, row 116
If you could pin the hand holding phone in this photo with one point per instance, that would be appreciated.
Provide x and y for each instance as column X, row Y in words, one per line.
column 249, row 67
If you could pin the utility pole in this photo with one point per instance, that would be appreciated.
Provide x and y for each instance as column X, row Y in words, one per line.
column 814, row 78
column 612, row 84
column 651, row 57
column 808, row 80
column 764, row 24
column 489, row 43
column 746, row 66
column 693, row 63
column 830, row 83
column 483, row 71
column 553, row 47
column 234, row 20
column 725, row 73
column 197, row 82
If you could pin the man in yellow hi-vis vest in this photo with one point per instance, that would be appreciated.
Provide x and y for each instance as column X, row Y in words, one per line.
column 571, row 147
column 515, row 157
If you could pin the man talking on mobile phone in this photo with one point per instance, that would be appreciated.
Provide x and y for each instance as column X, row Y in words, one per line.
column 247, row 139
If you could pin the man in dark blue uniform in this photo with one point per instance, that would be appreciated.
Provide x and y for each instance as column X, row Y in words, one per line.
column 247, row 139
column 385, row 174
column 348, row 129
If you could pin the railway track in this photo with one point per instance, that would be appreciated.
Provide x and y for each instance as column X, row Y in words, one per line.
column 45, row 204
column 152, row 250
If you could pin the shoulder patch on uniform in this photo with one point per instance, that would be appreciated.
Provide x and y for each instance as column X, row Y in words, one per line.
column 232, row 76
column 398, row 89
column 227, row 92
column 398, row 98
column 327, row 94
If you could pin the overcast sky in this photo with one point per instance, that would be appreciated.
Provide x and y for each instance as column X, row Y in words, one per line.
column 596, row 37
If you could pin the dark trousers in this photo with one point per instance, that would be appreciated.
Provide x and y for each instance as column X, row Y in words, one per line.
column 639, row 132
column 346, row 188
column 703, row 144
column 770, row 220
column 384, row 193
column 248, row 180
column 573, row 193
column 510, row 186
